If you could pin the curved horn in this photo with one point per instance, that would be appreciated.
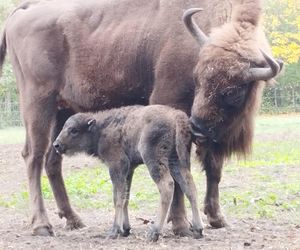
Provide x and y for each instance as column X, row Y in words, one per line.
column 256, row 74
column 193, row 28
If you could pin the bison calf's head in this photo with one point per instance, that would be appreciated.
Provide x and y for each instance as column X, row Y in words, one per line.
column 76, row 136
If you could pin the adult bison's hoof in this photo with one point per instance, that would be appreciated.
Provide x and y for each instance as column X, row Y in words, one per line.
column 153, row 235
column 181, row 226
column 183, row 232
column 197, row 233
column 43, row 230
column 217, row 222
column 74, row 223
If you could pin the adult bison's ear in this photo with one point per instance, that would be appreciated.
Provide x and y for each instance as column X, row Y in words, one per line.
column 91, row 123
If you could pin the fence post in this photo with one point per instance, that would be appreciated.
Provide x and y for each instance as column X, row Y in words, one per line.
column 294, row 101
column 275, row 97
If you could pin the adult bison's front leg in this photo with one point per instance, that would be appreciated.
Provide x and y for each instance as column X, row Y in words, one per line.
column 213, row 164
column 177, row 215
column 54, row 173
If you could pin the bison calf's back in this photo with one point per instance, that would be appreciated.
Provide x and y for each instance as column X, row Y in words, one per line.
column 123, row 138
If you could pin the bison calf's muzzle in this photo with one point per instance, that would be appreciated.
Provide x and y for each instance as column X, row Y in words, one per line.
column 59, row 148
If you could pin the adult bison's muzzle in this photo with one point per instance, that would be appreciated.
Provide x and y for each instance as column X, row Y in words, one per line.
column 202, row 131
column 59, row 148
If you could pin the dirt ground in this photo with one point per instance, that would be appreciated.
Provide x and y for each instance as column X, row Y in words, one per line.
column 15, row 231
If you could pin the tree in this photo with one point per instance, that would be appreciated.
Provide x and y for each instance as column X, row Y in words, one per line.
column 282, row 23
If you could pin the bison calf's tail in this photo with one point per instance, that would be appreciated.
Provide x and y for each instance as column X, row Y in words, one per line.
column 183, row 140
column 2, row 50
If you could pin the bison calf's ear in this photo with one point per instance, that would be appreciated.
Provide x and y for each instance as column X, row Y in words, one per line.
column 91, row 123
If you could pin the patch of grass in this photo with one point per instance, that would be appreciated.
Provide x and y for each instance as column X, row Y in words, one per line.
column 277, row 124
column 263, row 192
column 14, row 135
column 92, row 188
column 271, row 154
column 17, row 200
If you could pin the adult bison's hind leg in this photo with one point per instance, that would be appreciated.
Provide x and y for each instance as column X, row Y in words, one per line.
column 213, row 167
column 54, row 173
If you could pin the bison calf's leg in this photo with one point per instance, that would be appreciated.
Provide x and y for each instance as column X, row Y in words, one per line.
column 126, row 224
column 54, row 173
column 213, row 167
column 188, row 186
column 118, row 175
column 165, row 183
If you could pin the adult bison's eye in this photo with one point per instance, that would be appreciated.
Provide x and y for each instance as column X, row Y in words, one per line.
column 74, row 131
column 235, row 96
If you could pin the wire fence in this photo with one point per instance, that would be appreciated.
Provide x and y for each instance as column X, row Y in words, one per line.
column 281, row 100
column 10, row 114
column 275, row 101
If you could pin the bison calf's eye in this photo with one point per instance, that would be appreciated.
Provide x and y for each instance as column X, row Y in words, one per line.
column 74, row 131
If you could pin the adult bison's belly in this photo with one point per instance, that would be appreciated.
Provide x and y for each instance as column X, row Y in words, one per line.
column 103, row 93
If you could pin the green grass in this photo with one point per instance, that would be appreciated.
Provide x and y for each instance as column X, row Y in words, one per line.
column 266, row 185
column 277, row 124
column 12, row 135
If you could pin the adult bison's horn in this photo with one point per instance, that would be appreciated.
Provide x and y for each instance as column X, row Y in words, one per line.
column 256, row 74
column 193, row 28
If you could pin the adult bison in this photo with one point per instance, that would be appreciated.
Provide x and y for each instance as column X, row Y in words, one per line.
column 71, row 56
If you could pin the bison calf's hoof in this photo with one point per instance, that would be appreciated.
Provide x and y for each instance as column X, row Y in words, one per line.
column 153, row 235
column 114, row 233
column 43, row 231
column 126, row 232
column 197, row 233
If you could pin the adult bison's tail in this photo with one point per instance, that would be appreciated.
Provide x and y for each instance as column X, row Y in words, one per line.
column 2, row 50
column 183, row 139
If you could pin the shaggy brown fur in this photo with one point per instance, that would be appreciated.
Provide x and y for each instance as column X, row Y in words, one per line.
column 225, row 100
column 233, row 42
column 70, row 56
column 156, row 135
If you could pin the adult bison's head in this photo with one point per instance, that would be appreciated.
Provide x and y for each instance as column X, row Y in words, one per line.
column 228, row 81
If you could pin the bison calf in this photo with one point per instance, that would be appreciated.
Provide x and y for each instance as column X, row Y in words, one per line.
column 123, row 138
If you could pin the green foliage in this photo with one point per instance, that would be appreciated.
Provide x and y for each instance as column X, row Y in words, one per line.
column 282, row 24
column 8, row 83
column 291, row 74
column 6, row 7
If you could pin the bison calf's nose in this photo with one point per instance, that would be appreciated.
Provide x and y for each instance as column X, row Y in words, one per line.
column 58, row 147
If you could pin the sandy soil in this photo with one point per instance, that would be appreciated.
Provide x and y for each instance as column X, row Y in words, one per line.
column 15, row 231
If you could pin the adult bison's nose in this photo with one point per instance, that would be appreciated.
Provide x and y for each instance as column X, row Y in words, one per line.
column 202, row 130
column 59, row 148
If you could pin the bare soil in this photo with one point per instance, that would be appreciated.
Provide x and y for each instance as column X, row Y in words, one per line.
column 15, row 230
